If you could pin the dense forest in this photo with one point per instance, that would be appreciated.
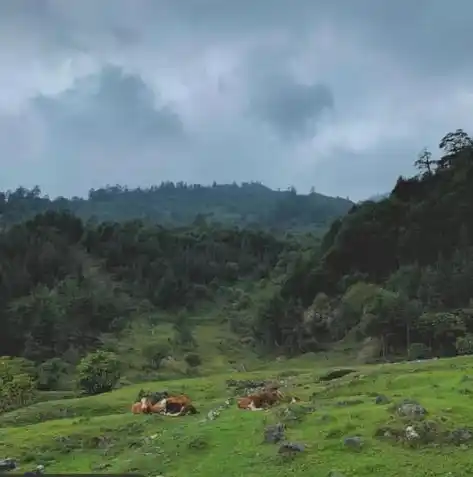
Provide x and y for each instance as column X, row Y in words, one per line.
column 62, row 282
column 247, row 205
column 397, row 272
column 392, row 276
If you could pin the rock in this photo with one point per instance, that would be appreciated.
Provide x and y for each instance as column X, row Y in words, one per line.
column 381, row 399
column 460, row 436
column 213, row 414
column 354, row 442
column 335, row 374
column 334, row 473
column 274, row 433
column 410, row 408
column 411, row 433
column 291, row 448
column 8, row 464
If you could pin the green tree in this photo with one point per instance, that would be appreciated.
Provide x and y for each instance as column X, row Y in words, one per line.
column 51, row 373
column 17, row 383
column 98, row 372
column 464, row 344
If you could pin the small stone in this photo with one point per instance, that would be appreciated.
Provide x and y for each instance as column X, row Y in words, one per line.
column 274, row 433
column 8, row 464
column 291, row 447
column 355, row 442
column 411, row 433
column 461, row 435
column 381, row 399
column 409, row 408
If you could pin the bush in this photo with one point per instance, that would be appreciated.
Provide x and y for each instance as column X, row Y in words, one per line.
column 154, row 353
column 419, row 351
column 464, row 344
column 17, row 383
column 193, row 360
column 50, row 374
column 98, row 372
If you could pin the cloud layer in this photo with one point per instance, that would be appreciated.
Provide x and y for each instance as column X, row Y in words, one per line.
column 338, row 95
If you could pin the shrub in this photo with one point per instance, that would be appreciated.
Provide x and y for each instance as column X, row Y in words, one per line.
column 98, row 372
column 464, row 344
column 419, row 351
column 50, row 374
column 17, row 383
column 154, row 353
column 193, row 360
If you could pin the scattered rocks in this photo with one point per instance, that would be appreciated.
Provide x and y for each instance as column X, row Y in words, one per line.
column 274, row 433
column 354, row 442
column 215, row 413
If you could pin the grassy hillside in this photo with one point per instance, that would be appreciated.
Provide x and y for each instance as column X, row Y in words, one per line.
column 99, row 433
column 91, row 306
column 248, row 205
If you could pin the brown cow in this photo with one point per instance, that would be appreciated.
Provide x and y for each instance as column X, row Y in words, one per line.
column 137, row 408
column 170, row 406
column 261, row 400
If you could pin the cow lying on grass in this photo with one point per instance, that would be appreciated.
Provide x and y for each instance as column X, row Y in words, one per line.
column 179, row 405
column 261, row 400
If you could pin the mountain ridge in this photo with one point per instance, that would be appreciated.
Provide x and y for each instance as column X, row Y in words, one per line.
column 250, row 204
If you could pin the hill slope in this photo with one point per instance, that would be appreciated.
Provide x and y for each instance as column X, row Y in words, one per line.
column 169, row 204
column 63, row 283
column 399, row 270
column 349, row 427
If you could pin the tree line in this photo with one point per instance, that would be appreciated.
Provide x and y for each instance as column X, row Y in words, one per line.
column 179, row 204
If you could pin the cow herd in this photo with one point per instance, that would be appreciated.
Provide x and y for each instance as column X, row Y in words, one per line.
column 180, row 405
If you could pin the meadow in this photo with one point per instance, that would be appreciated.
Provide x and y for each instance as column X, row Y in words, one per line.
column 348, row 426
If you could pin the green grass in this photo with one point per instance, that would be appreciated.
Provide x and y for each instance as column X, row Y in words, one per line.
column 100, row 434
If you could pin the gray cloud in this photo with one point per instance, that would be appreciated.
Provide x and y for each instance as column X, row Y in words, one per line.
column 110, row 108
column 292, row 108
column 341, row 95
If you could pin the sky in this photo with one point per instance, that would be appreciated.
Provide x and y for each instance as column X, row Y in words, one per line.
column 339, row 95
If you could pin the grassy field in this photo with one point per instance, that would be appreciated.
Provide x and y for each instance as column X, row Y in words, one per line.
column 100, row 434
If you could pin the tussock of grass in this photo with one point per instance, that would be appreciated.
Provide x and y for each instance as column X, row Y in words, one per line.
column 99, row 433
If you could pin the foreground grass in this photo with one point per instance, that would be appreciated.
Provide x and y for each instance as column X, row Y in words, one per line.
column 99, row 434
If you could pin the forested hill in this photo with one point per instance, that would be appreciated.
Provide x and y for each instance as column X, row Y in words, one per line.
column 399, row 270
column 63, row 283
column 170, row 204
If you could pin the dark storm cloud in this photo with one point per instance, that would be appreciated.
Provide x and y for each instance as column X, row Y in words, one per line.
column 339, row 94
column 111, row 108
column 293, row 109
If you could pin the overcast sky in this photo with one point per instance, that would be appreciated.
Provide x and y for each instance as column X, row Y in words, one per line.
column 336, row 94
